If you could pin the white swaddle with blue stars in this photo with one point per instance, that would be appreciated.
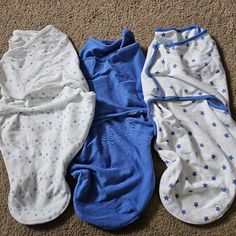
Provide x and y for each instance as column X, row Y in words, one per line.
column 185, row 86
column 45, row 114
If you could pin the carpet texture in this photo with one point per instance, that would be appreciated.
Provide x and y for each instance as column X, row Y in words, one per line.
column 106, row 19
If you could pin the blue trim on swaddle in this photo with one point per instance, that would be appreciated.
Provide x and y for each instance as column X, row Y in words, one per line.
column 212, row 100
column 209, row 99
column 148, row 73
column 172, row 44
column 179, row 30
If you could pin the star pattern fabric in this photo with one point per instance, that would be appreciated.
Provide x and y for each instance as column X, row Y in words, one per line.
column 189, row 102
column 46, row 111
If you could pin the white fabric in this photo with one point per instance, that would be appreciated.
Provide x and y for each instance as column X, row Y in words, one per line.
column 45, row 115
column 196, row 140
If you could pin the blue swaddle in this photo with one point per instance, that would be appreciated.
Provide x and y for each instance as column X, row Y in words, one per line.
column 114, row 170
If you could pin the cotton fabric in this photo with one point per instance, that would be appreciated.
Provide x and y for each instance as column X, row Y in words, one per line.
column 184, row 84
column 113, row 171
column 46, row 111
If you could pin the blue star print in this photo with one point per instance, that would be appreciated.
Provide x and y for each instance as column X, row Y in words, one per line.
column 34, row 201
column 178, row 146
column 199, row 76
column 224, row 167
column 166, row 198
column 201, row 145
column 213, row 124
column 201, row 158
column 213, row 156
column 194, row 174
column 217, row 209
column 171, row 185
column 224, row 189
column 213, row 178
column 226, row 135
column 183, row 211
column 163, row 34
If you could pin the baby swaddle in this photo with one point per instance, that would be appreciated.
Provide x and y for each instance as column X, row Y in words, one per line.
column 46, row 111
column 113, row 170
column 185, row 86
column 45, row 114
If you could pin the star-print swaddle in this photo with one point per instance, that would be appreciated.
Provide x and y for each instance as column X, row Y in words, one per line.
column 46, row 111
column 185, row 86
column 113, row 170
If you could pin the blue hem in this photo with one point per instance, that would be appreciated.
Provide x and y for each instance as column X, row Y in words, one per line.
column 201, row 31
column 161, row 96
column 179, row 30
column 210, row 99
column 148, row 73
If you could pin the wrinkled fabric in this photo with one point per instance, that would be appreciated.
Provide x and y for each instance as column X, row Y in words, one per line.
column 46, row 111
column 184, row 84
column 113, row 170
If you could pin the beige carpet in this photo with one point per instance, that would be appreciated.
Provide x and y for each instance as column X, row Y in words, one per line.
column 105, row 19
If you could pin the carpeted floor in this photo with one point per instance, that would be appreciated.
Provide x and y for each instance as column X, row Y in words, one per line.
column 105, row 19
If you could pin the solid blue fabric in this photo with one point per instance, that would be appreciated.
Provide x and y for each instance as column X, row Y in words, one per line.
column 114, row 169
column 112, row 69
